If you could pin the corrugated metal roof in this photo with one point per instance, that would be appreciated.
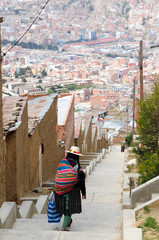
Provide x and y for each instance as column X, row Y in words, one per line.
column 113, row 125
column 40, row 105
column 63, row 104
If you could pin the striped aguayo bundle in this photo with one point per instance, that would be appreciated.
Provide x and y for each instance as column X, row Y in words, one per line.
column 66, row 177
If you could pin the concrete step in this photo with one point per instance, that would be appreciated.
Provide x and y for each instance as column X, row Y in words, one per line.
column 35, row 224
column 55, row 235
column 132, row 234
column 28, row 235
column 128, row 218
column 42, row 203
column 81, row 223
column 126, row 202
column 27, row 209
column 8, row 214
column 34, row 199
column 39, row 216
column 48, row 184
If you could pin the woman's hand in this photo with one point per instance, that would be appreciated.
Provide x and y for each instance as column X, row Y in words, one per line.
column 84, row 197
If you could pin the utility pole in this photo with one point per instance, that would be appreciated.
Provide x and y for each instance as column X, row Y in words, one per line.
column 133, row 130
column 141, row 69
column 2, row 163
column 127, row 120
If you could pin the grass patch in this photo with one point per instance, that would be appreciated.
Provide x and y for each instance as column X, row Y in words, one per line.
column 146, row 210
column 129, row 168
column 151, row 223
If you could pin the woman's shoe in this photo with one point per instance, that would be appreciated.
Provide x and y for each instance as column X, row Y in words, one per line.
column 64, row 229
column 70, row 223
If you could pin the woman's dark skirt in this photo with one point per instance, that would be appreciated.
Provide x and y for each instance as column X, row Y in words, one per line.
column 74, row 202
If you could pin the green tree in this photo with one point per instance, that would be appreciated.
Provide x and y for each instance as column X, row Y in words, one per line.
column 65, row 91
column 24, row 80
column 44, row 73
column 16, row 75
column 4, row 81
column 51, row 91
column 71, row 86
column 148, row 129
column 128, row 140
column 148, row 121
column 40, row 87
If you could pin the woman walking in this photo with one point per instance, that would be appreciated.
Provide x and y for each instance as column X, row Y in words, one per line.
column 69, row 181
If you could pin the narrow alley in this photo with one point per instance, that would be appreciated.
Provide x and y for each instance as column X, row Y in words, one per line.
column 101, row 218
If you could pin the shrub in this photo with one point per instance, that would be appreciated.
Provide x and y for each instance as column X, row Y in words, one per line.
column 128, row 140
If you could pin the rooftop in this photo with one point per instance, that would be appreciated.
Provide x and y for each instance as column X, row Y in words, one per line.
column 12, row 110
column 37, row 107
column 116, row 125
column 63, row 104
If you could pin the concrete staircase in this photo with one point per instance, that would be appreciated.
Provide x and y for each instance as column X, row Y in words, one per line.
column 29, row 220
column 145, row 195
column 130, row 231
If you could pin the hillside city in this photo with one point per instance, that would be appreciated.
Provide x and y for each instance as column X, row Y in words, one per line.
column 95, row 47
column 80, row 73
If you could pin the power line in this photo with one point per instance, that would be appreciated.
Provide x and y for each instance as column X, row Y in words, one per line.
column 27, row 29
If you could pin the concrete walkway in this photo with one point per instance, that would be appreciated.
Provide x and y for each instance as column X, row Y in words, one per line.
column 101, row 218
column 102, row 210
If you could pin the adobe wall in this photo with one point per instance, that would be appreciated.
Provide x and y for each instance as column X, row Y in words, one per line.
column 2, row 164
column 69, row 126
column 59, row 156
column 34, row 144
column 102, row 143
column 88, row 138
column 22, row 155
column 10, row 169
column 80, row 139
column 48, row 136
column 94, row 142
column 17, row 160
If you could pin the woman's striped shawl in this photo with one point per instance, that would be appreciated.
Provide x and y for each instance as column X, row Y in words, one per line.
column 65, row 178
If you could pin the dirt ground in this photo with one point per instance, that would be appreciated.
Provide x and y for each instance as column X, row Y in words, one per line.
column 148, row 233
